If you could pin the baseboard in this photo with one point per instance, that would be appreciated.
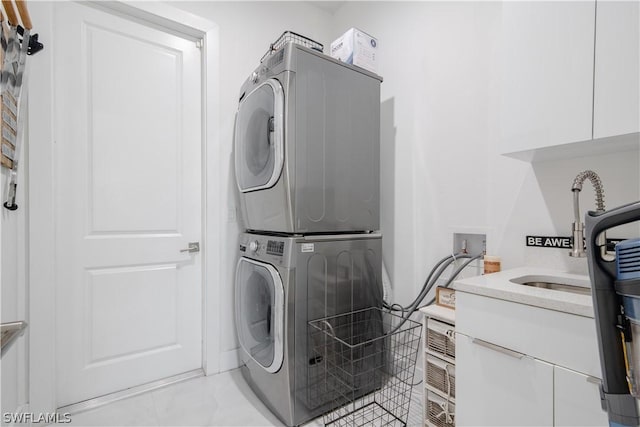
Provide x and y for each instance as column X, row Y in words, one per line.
column 229, row 360
column 129, row 392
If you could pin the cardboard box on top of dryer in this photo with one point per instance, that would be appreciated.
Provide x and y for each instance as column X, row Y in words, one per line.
column 357, row 48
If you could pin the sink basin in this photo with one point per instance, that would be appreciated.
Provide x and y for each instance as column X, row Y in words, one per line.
column 559, row 287
column 576, row 285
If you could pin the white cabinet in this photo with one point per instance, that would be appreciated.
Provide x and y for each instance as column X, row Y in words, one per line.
column 570, row 78
column 518, row 365
column 617, row 71
column 547, row 92
column 573, row 399
column 500, row 387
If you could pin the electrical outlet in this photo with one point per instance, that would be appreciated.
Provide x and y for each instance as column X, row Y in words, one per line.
column 473, row 243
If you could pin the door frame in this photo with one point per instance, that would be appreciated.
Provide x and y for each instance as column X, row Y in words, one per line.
column 41, row 257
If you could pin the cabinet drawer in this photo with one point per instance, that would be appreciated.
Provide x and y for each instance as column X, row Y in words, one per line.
column 440, row 339
column 555, row 337
column 498, row 387
column 440, row 376
column 576, row 399
column 438, row 411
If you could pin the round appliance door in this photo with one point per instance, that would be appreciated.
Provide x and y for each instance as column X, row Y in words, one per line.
column 259, row 137
column 260, row 313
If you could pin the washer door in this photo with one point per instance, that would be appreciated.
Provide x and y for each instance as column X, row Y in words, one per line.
column 259, row 141
column 260, row 313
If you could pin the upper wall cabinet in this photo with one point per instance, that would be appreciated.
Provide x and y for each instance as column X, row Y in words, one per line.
column 547, row 76
column 617, row 71
column 570, row 75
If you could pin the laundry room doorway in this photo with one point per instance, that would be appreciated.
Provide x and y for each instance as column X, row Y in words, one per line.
column 128, row 202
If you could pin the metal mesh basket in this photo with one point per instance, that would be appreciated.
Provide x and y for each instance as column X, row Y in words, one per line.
column 291, row 37
column 368, row 365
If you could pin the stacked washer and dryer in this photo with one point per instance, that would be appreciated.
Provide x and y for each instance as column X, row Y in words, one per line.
column 307, row 155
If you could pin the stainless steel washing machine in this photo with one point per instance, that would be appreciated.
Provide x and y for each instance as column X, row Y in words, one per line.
column 281, row 284
column 307, row 145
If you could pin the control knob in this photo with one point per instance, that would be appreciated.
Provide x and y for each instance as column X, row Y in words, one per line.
column 254, row 246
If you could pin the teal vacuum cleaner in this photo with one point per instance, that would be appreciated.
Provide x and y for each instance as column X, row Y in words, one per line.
column 616, row 303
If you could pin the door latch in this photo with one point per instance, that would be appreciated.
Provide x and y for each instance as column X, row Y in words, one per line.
column 193, row 248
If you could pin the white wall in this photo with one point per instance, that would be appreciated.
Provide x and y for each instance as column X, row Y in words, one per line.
column 439, row 63
column 245, row 31
column 441, row 171
column 441, row 167
column 13, row 365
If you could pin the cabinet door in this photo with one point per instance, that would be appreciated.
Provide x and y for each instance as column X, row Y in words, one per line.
column 577, row 400
column 547, row 73
column 617, row 72
column 500, row 387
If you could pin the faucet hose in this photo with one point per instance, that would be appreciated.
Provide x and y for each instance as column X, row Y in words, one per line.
column 597, row 186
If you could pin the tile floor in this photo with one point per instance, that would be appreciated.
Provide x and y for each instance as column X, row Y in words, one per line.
column 219, row 400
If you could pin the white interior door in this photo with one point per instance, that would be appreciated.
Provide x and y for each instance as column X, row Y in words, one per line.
column 128, row 199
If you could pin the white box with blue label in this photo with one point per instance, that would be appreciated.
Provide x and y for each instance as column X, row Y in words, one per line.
column 358, row 48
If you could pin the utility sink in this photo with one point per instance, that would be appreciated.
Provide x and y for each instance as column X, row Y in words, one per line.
column 556, row 290
column 563, row 284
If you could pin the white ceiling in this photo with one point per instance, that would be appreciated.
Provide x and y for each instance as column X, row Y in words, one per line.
column 328, row 6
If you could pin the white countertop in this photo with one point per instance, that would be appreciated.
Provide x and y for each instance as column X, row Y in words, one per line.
column 499, row 285
column 441, row 313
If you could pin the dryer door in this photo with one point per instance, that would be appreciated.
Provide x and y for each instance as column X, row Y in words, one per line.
column 259, row 141
column 260, row 312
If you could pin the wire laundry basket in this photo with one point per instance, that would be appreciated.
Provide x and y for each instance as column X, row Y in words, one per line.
column 291, row 37
column 368, row 366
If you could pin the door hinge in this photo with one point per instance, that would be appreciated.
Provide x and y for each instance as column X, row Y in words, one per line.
column 199, row 43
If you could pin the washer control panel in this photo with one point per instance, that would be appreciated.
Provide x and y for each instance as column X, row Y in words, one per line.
column 275, row 247
column 262, row 245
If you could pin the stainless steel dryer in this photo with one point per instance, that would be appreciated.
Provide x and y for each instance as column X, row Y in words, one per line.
column 281, row 284
column 307, row 145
